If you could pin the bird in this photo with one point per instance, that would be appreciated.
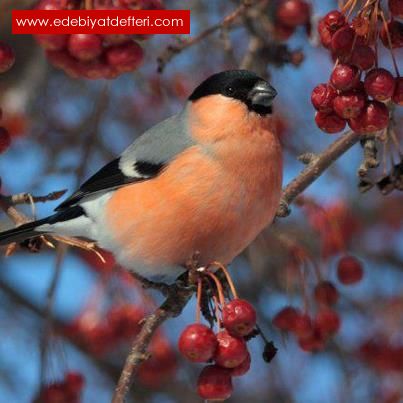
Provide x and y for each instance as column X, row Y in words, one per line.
column 206, row 180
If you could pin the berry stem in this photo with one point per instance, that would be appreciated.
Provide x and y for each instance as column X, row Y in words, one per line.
column 219, row 287
column 352, row 7
column 217, row 311
column 261, row 334
column 228, row 277
column 348, row 5
column 199, row 296
column 385, row 24
column 393, row 136
column 384, row 155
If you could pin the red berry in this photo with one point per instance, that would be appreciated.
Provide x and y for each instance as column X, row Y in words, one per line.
column 214, row 383
column 349, row 105
column 197, row 343
column 342, row 41
column 398, row 95
column 52, row 42
column 7, row 57
column 326, row 293
column 74, row 382
column 104, row 5
column 61, row 58
column 97, row 70
column 363, row 57
column 374, row 117
column 325, row 34
column 242, row 368
column 285, row 319
column 85, row 47
column 231, row 351
column 282, row 32
column 328, row 25
column 334, row 20
column 126, row 57
column 349, row 270
column 49, row 41
column 116, row 39
column 322, row 97
column 239, row 317
column 329, row 122
column 314, row 342
column 49, row 5
column 293, row 13
column 345, row 77
column 5, row 140
column 379, row 84
column 161, row 366
column 396, row 8
column 327, row 321
column 124, row 320
column 303, row 325
column 395, row 29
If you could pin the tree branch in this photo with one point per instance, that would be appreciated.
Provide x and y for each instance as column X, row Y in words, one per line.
column 317, row 164
column 177, row 299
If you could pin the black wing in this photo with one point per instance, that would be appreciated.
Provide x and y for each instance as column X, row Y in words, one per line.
column 110, row 177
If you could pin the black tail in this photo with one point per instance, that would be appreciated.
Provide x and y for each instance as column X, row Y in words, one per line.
column 28, row 230
column 22, row 232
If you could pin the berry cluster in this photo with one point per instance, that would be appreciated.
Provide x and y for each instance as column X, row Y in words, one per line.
column 346, row 98
column 313, row 332
column 94, row 56
column 226, row 351
column 290, row 14
column 66, row 391
column 227, row 348
column 100, row 336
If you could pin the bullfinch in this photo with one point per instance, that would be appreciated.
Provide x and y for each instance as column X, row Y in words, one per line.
column 206, row 180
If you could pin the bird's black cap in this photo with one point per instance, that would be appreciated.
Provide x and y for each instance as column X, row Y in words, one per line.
column 243, row 85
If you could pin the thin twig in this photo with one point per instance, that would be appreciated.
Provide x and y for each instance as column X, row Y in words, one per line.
column 172, row 50
column 27, row 198
column 17, row 217
column 163, row 288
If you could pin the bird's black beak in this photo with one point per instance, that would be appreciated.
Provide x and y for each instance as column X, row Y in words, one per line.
column 261, row 95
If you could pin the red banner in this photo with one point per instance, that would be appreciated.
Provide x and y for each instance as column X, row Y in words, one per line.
column 101, row 22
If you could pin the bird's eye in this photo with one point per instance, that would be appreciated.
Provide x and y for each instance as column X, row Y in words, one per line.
column 230, row 90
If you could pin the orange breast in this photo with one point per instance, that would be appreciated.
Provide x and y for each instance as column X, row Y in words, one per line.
column 214, row 198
